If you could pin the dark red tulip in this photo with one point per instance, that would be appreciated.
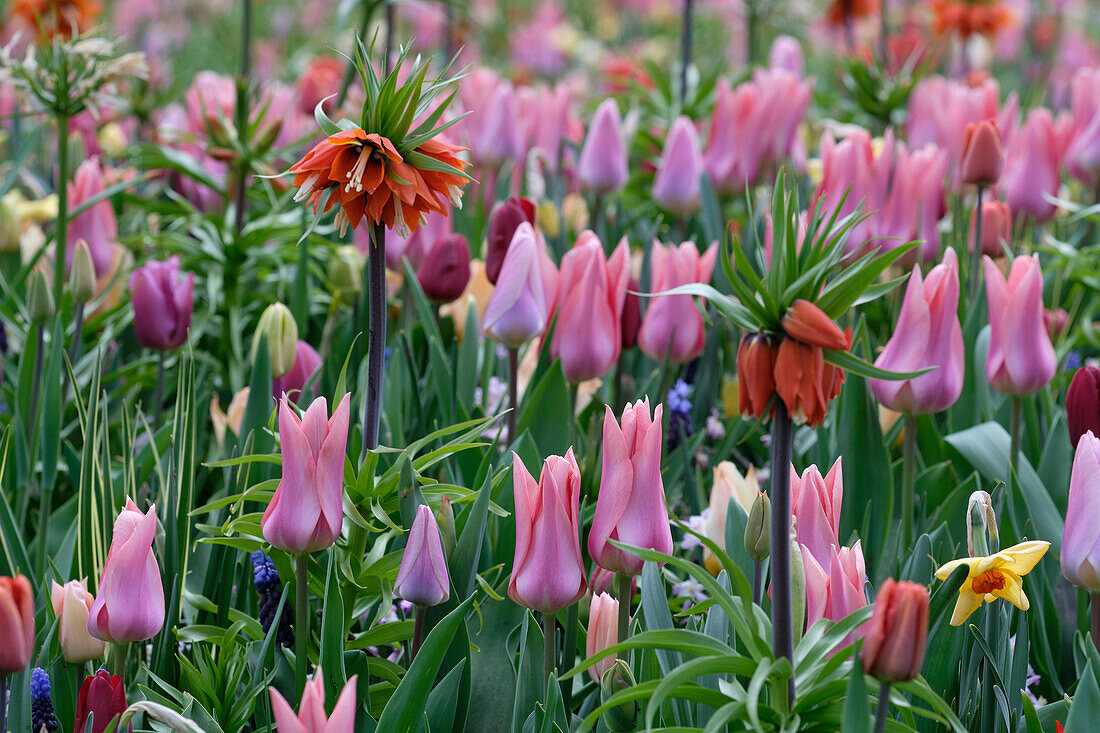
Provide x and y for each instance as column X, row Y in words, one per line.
column 103, row 697
column 446, row 269
column 1083, row 403
column 503, row 222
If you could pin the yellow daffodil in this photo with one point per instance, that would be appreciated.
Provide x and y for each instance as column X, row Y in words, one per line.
column 996, row 576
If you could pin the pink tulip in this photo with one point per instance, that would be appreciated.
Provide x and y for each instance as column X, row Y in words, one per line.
column 536, row 45
column 96, row 225
column 815, row 507
column 307, row 511
column 311, row 717
column 603, row 631
column 1021, row 358
column 835, row 590
column 591, row 291
column 676, row 185
column 928, row 334
column 673, row 328
column 162, row 304
column 786, row 54
column 497, row 140
column 602, row 165
column 210, row 101
column 1081, row 540
column 1083, row 153
column 423, row 579
column 1032, row 159
column 71, row 605
column 546, row 120
column 630, row 507
column 548, row 571
column 307, row 362
column 996, row 228
column 519, row 308
column 130, row 601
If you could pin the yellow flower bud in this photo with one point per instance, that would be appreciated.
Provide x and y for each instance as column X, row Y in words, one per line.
column 278, row 325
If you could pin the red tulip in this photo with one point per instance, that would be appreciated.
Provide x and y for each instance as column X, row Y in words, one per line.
column 897, row 634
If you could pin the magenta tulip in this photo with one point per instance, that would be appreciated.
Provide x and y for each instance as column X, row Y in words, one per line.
column 311, row 717
column 815, row 507
column 1083, row 403
column 307, row 362
column 591, row 291
column 676, row 186
column 423, row 579
column 96, row 225
column 548, row 571
column 445, row 271
column 162, row 304
column 102, row 698
column 786, row 54
column 1021, row 358
column 520, row 306
column 1081, row 540
column 630, row 507
column 602, row 165
column 129, row 604
column 307, row 511
column 673, row 328
column 413, row 247
column 928, row 334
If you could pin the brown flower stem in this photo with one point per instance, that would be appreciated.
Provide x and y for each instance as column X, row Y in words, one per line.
column 513, row 393
column 376, row 265
column 883, row 711
column 61, row 234
column 301, row 621
column 418, row 632
column 685, row 52
column 976, row 254
column 549, row 644
column 908, row 480
column 1094, row 613
column 626, row 591
column 782, row 632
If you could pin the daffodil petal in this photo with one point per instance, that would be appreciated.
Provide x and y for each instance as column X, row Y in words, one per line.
column 1025, row 555
column 949, row 567
column 968, row 603
column 1013, row 592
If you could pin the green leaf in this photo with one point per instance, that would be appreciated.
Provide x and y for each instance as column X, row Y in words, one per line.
column 857, row 713
column 849, row 362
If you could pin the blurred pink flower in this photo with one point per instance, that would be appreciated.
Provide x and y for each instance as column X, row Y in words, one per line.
column 673, row 328
column 1032, row 161
column 536, row 45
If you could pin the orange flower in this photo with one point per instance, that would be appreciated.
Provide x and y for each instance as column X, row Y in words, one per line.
column 65, row 18
column 983, row 17
column 367, row 176
column 755, row 374
column 844, row 11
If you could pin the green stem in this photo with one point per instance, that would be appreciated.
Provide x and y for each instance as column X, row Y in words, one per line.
column 883, row 707
column 549, row 644
column 158, row 394
column 241, row 117
column 1015, row 431
column 569, row 652
column 36, row 382
column 976, row 254
column 61, row 236
column 782, row 630
column 513, row 393
column 908, row 480
column 116, row 660
column 626, row 591
column 757, row 582
column 301, row 622
column 376, row 266
column 750, row 32
column 418, row 632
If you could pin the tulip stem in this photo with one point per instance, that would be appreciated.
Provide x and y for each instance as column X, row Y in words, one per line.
column 376, row 265
column 301, row 621
column 549, row 644
column 1094, row 611
column 418, row 632
column 61, row 235
column 36, row 382
column 908, row 480
column 757, row 581
column 1015, row 430
column 116, row 659
column 976, row 253
column 513, row 392
column 782, row 632
column 685, row 53
column 158, row 394
column 240, row 120
column 883, row 711
column 626, row 590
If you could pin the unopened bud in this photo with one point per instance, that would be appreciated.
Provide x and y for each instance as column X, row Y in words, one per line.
column 445, row 518
column 345, row 271
column 265, row 138
column 40, row 305
column 278, row 325
column 798, row 587
column 10, row 224
column 82, row 280
column 622, row 717
column 758, row 529
column 981, row 517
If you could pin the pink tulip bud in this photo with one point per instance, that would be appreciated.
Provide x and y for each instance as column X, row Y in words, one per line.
column 503, row 222
column 311, row 717
column 630, row 507
column 897, row 634
column 497, row 139
column 307, row 511
column 1021, row 358
column 1031, row 171
column 162, row 304
column 96, row 225
column 71, row 604
column 1083, row 403
column 130, row 601
column 445, row 270
column 591, row 291
column 520, row 306
column 307, row 362
column 996, row 228
column 928, row 334
column 983, row 156
column 548, row 571
column 676, row 186
column 603, row 631
column 602, row 165
column 786, row 53
column 815, row 507
column 16, row 624
column 1081, row 539
column 673, row 328
column 423, row 579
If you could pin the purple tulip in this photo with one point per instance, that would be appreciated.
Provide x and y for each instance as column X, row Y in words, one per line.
column 519, row 308
column 676, row 185
column 602, row 165
column 1021, row 358
column 162, row 304
column 423, row 578
column 1081, row 540
column 503, row 222
column 96, row 225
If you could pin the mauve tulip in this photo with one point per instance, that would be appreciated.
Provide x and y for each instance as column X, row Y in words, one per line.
column 306, row 363
column 96, row 225
column 630, row 507
column 1083, row 151
column 996, row 228
column 786, row 54
column 497, row 140
column 130, row 601
column 162, row 304
column 673, row 328
column 423, row 579
column 71, row 604
column 983, row 154
column 897, row 634
column 815, row 507
column 1032, row 158
column 1083, row 403
column 837, row 592
column 632, row 315
column 591, row 291
column 16, row 625
column 928, row 334
column 445, row 271
column 548, row 570
column 102, row 698
column 676, row 186
column 307, row 511
column 603, row 631
column 755, row 374
column 520, row 306
column 311, row 717
column 602, row 164
column 503, row 223
column 1021, row 358
column 1081, row 539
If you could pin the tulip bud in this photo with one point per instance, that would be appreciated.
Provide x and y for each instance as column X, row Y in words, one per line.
column 603, row 632
column 16, row 624
column 423, row 579
column 983, row 156
column 40, row 305
column 758, row 529
column 894, row 645
column 1080, row 549
column 446, row 520
column 445, row 271
column 807, row 323
column 503, row 222
column 102, row 698
column 981, row 517
column 278, row 325
column 345, row 271
column 617, row 678
column 267, row 134
column 10, row 224
column 1083, row 404
column 996, row 227
column 71, row 604
column 755, row 374
column 82, row 280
